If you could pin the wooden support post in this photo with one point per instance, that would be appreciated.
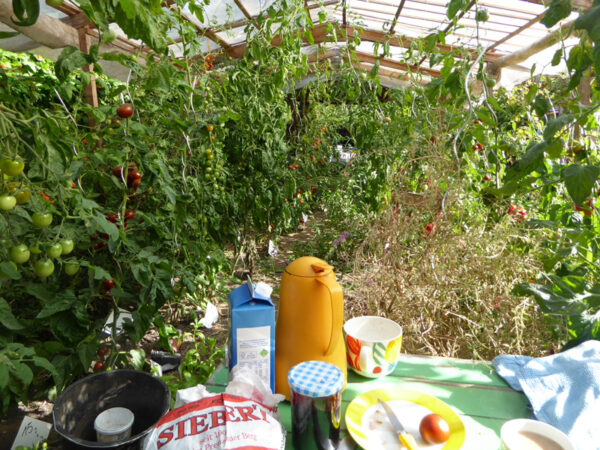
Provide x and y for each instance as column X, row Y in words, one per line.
column 91, row 95
column 585, row 92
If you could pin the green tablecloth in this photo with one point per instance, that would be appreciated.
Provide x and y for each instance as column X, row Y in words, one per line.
column 477, row 394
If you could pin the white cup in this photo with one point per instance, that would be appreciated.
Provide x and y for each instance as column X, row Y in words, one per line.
column 372, row 345
column 113, row 425
column 514, row 434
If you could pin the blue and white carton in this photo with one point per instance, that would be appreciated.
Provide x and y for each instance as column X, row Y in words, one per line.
column 252, row 333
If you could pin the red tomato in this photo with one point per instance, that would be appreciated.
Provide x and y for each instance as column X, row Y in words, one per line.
column 111, row 217
column 434, row 429
column 136, row 183
column 512, row 209
column 98, row 366
column 103, row 351
column 117, row 172
column 125, row 111
column 129, row 215
column 109, row 284
column 134, row 174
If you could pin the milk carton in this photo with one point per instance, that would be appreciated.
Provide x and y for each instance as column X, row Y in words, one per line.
column 252, row 333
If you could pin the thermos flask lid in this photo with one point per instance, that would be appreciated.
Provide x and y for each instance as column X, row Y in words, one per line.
column 316, row 379
column 308, row 267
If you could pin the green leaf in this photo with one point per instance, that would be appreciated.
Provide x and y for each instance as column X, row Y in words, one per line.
column 552, row 298
column 101, row 274
column 7, row 318
column 541, row 105
column 128, row 7
column 533, row 157
column 579, row 58
column 590, row 22
column 87, row 351
column 45, row 364
column 555, row 125
column 557, row 57
column 580, row 180
column 105, row 226
column 138, row 358
column 22, row 372
column 61, row 302
column 555, row 148
column 485, row 116
column 69, row 60
column 531, row 93
column 558, row 10
column 26, row 11
column 8, row 34
column 3, row 376
column 9, row 269
column 454, row 6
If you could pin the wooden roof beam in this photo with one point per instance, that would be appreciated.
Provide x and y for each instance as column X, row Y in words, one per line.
column 519, row 30
column 493, row 68
column 395, row 20
column 391, row 64
column 320, row 34
column 245, row 12
column 208, row 32
column 577, row 4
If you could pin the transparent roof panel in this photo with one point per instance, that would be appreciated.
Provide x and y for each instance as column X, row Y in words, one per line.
column 255, row 7
column 50, row 11
column 233, row 35
column 221, row 12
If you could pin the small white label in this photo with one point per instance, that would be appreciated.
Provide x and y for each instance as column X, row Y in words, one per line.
column 254, row 351
column 31, row 432
column 272, row 249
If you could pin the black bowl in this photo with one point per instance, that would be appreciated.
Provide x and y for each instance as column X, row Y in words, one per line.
column 75, row 410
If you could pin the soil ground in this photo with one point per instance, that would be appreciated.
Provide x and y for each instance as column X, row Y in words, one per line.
column 42, row 410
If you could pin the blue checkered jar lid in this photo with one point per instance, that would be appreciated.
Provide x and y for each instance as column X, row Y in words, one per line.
column 315, row 379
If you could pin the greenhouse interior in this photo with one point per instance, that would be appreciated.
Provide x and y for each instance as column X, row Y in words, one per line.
column 287, row 224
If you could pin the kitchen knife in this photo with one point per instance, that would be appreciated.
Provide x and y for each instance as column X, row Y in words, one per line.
column 405, row 437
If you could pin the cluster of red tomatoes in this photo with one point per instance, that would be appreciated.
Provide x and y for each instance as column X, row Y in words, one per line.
column 134, row 176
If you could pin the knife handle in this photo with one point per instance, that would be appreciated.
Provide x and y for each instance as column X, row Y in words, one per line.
column 408, row 441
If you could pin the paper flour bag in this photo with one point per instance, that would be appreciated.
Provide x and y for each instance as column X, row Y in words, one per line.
column 222, row 421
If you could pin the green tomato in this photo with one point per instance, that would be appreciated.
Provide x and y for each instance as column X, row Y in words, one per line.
column 20, row 253
column 7, row 202
column 67, row 246
column 71, row 268
column 10, row 167
column 54, row 251
column 41, row 220
column 22, row 196
column 43, row 268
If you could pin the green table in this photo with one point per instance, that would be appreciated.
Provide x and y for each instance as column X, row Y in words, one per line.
column 477, row 394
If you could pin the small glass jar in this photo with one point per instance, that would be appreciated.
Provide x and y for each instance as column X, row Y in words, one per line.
column 316, row 394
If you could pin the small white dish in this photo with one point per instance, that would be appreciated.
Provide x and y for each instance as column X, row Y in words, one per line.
column 523, row 434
